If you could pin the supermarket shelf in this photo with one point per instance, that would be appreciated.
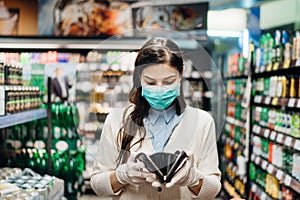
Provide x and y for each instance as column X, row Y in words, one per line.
column 22, row 117
column 236, row 77
column 236, row 122
column 231, row 97
column 234, row 167
column 279, row 69
column 232, row 142
column 277, row 101
column 277, row 137
column 260, row 192
column 230, row 190
column 279, row 174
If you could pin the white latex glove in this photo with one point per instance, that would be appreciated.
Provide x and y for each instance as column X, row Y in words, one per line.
column 188, row 175
column 133, row 172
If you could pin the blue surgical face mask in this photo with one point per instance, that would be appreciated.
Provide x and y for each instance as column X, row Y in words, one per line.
column 160, row 97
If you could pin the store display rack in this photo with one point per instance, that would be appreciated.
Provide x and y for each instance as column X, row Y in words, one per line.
column 277, row 101
column 279, row 174
column 22, row 117
column 274, row 136
column 259, row 192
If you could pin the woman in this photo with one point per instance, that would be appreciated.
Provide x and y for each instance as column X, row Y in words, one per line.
column 157, row 120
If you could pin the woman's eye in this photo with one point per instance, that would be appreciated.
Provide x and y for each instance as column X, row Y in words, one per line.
column 150, row 83
column 168, row 83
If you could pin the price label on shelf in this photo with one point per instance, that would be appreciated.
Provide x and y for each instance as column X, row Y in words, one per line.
column 264, row 164
column 298, row 103
column 288, row 141
column 273, row 135
column 254, row 188
column 263, row 196
column 252, row 157
column 255, row 99
column 267, row 133
column 287, row 180
column 259, row 99
column 257, row 159
column 279, row 174
column 267, row 100
column 258, row 129
column 254, row 128
column 297, row 145
column 292, row 102
column 297, row 62
column 279, row 138
column 270, row 168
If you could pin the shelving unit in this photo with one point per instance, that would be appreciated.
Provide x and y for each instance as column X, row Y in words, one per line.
column 281, row 176
column 235, row 132
column 274, row 137
column 22, row 117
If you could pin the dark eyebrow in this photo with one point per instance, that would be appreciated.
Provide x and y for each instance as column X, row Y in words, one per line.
column 164, row 78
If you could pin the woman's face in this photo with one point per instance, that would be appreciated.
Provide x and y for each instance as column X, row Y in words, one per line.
column 160, row 74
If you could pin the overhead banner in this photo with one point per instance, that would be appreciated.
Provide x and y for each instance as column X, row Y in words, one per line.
column 180, row 17
column 101, row 19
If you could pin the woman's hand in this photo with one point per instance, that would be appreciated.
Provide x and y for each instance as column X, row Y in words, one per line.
column 188, row 175
column 133, row 172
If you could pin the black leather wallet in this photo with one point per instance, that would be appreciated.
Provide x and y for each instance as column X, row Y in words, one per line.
column 164, row 165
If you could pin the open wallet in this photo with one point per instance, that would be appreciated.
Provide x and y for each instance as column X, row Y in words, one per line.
column 164, row 165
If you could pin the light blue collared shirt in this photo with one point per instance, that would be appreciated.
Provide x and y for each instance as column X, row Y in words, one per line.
column 160, row 125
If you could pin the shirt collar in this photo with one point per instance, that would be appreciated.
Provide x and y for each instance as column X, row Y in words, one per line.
column 166, row 113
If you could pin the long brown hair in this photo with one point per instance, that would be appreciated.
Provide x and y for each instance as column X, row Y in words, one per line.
column 155, row 51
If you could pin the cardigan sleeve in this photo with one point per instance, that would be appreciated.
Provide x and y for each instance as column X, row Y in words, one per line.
column 208, row 163
column 105, row 159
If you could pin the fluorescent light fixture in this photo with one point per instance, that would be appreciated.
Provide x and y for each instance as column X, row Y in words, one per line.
column 234, row 19
column 25, row 43
column 224, row 33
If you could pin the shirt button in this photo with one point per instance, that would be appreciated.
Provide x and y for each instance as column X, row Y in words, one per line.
column 158, row 144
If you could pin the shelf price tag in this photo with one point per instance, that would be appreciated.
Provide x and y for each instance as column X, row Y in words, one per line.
column 263, row 196
column 279, row 138
column 287, row 180
column 291, row 102
column 273, row 135
column 259, row 99
column 255, row 127
column 297, row 145
column 298, row 62
column 267, row 133
column 267, row 100
column 258, row 129
column 298, row 104
column 264, row 164
column 279, row 174
column 270, row 168
column 254, row 187
column 288, row 141
column 252, row 157
column 257, row 159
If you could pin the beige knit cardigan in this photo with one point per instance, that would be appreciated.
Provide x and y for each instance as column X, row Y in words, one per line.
column 195, row 133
